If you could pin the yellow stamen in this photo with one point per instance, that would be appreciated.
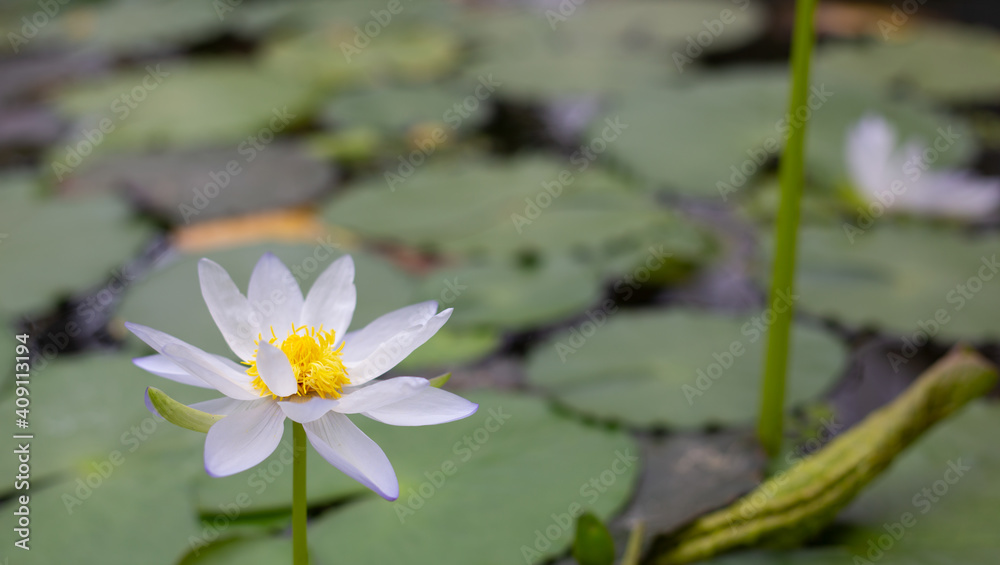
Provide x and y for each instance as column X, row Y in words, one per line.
column 316, row 363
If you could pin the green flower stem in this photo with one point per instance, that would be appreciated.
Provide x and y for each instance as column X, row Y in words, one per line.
column 791, row 177
column 300, row 547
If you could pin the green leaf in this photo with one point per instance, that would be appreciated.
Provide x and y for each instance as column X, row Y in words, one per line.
column 676, row 368
column 910, row 280
column 593, row 544
column 179, row 414
column 39, row 267
column 523, row 482
column 440, row 380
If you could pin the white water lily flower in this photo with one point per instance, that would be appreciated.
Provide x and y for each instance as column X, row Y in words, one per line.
column 299, row 362
column 900, row 180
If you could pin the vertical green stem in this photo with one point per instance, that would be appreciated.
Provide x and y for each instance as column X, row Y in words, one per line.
column 300, row 548
column 791, row 177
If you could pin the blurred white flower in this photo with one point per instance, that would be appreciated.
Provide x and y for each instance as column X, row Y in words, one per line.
column 901, row 180
column 303, row 365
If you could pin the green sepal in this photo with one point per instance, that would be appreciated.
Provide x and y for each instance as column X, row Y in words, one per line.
column 593, row 544
column 440, row 380
column 179, row 414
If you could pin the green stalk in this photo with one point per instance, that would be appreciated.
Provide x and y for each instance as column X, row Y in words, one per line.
column 791, row 177
column 300, row 548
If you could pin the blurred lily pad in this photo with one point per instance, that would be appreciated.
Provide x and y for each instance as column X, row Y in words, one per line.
column 341, row 56
column 53, row 247
column 394, row 110
column 670, row 129
column 170, row 299
column 571, row 49
column 530, row 209
column 909, row 280
column 185, row 104
column 195, row 185
column 923, row 59
column 524, row 472
column 88, row 415
column 687, row 369
column 131, row 27
column 932, row 507
column 505, row 295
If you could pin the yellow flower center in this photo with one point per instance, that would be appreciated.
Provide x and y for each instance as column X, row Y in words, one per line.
column 315, row 361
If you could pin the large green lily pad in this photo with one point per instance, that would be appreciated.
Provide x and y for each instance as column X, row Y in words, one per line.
column 923, row 58
column 909, row 280
column 506, row 295
column 83, row 410
column 183, row 104
column 516, row 467
column 678, row 368
column 532, row 208
column 713, row 136
column 188, row 185
column 53, row 247
column 934, row 506
column 170, row 299
column 573, row 49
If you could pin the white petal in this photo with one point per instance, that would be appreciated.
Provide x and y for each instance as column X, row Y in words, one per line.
column 304, row 410
column 431, row 406
column 361, row 343
column 163, row 367
column 242, row 440
column 870, row 147
column 393, row 350
column 376, row 395
column 347, row 448
column 275, row 295
column 275, row 370
column 231, row 310
column 218, row 374
column 226, row 406
column 332, row 298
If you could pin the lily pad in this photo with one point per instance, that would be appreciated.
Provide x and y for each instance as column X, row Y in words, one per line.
column 183, row 104
column 195, row 185
column 923, row 59
column 531, row 208
column 908, row 280
column 394, row 110
column 53, row 247
column 670, row 130
column 88, row 413
column 130, row 27
column 170, row 299
column 572, row 49
column 678, row 368
column 450, row 472
column 932, row 507
column 509, row 296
